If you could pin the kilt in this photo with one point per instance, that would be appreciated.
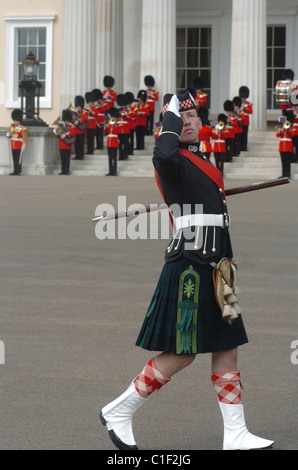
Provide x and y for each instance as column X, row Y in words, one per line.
column 183, row 316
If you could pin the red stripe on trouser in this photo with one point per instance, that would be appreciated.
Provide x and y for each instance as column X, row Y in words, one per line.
column 150, row 379
column 228, row 386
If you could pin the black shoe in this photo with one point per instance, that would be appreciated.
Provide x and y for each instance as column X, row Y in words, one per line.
column 13, row 173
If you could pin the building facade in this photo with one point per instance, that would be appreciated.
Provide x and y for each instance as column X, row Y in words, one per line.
column 229, row 43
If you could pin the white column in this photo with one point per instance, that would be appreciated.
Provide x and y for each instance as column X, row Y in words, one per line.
column 158, row 51
column 248, row 55
column 78, row 49
column 109, row 42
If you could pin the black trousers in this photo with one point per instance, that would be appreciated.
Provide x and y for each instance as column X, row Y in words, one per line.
column 123, row 146
column 99, row 137
column 219, row 160
column 238, row 144
column 230, row 149
column 150, row 120
column 65, row 161
column 140, row 137
column 79, row 146
column 286, row 158
column 112, row 153
column 244, row 138
column 295, row 152
column 91, row 133
column 131, row 142
column 17, row 165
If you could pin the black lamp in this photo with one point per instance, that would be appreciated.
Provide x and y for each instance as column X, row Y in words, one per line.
column 30, row 89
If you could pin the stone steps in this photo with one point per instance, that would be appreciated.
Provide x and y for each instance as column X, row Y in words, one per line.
column 262, row 160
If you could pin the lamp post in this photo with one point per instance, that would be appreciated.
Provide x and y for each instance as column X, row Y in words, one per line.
column 30, row 89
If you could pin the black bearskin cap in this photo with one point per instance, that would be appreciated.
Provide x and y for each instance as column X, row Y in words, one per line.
column 237, row 101
column 222, row 117
column 203, row 113
column 79, row 101
column 149, row 80
column 122, row 100
column 17, row 115
column 288, row 74
column 198, row 83
column 228, row 105
column 244, row 92
column 108, row 81
column 143, row 95
column 66, row 115
column 97, row 94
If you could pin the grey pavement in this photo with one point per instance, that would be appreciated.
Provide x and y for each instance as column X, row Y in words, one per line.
column 72, row 306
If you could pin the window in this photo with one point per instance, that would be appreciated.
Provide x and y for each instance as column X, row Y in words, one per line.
column 35, row 39
column 276, row 61
column 193, row 58
column 36, row 33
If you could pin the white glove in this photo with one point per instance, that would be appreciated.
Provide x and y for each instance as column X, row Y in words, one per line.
column 174, row 105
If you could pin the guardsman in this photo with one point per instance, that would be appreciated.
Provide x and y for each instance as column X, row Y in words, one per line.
column 124, row 127
column 113, row 140
column 109, row 94
column 81, row 123
column 286, row 133
column 91, row 130
column 201, row 97
column 219, row 145
column 131, row 120
column 67, row 135
column 152, row 98
column 230, row 128
column 295, row 138
column 246, row 108
column 17, row 133
column 141, row 113
column 237, row 102
column 205, row 133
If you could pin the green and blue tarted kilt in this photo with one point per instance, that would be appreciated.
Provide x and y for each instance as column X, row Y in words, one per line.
column 183, row 316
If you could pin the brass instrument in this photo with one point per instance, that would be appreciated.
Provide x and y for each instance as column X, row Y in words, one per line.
column 63, row 129
column 286, row 125
column 76, row 117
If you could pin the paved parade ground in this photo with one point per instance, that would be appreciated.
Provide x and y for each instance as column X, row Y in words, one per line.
column 72, row 306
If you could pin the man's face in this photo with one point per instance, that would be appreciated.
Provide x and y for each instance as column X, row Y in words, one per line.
column 191, row 126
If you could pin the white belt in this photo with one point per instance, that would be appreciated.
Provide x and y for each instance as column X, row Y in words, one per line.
column 213, row 220
column 220, row 141
column 112, row 135
column 286, row 138
column 17, row 140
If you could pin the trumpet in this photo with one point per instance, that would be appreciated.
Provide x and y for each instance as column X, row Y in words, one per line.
column 286, row 125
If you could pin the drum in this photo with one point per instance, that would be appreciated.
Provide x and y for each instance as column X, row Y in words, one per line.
column 282, row 92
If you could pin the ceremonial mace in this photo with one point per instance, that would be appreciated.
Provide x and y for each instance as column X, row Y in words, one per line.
column 163, row 206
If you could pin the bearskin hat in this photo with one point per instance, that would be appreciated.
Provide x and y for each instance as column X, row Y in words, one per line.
column 97, row 94
column 17, row 115
column 89, row 97
column 228, row 105
column 142, row 94
column 289, row 114
column 237, row 101
column 203, row 113
column 130, row 96
column 114, row 112
column 122, row 99
column 66, row 115
column 222, row 117
column 79, row 101
column 149, row 80
column 108, row 81
column 288, row 74
column 198, row 83
column 244, row 92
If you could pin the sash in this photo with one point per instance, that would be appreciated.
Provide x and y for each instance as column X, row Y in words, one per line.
column 211, row 171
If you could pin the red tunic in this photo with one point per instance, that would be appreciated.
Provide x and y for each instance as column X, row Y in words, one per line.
column 205, row 134
column 152, row 97
column 70, row 131
column 286, row 142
